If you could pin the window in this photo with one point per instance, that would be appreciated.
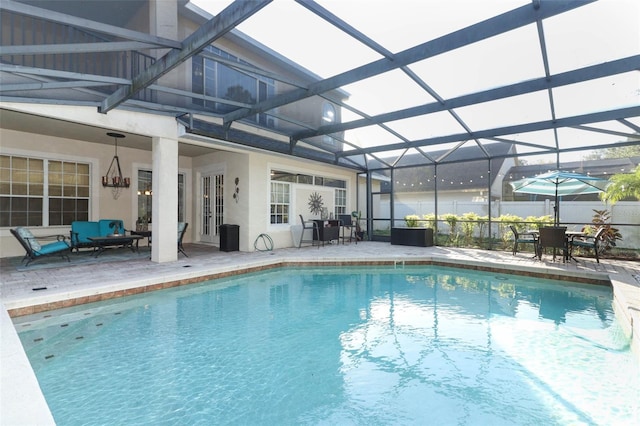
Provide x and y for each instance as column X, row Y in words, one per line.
column 217, row 80
column 219, row 202
column 281, row 182
column 37, row 192
column 340, row 201
column 280, row 202
column 145, row 195
column 68, row 186
column 280, row 176
column 328, row 117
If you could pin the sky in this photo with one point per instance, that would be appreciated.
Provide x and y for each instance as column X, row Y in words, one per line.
column 592, row 34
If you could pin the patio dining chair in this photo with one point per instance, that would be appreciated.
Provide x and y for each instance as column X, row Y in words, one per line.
column 346, row 223
column 524, row 238
column 589, row 242
column 35, row 249
column 553, row 237
column 315, row 232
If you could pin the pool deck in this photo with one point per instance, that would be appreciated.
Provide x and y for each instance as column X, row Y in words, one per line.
column 21, row 401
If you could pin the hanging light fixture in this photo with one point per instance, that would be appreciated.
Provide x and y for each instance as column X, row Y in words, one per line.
column 113, row 178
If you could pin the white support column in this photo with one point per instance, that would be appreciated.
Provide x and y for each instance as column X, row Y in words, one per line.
column 164, row 206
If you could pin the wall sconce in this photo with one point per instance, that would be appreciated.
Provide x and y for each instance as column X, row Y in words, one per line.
column 113, row 178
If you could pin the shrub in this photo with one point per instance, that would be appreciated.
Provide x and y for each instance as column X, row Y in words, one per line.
column 468, row 225
column 602, row 219
column 430, row 220
column 452, row 221
column 412, row 220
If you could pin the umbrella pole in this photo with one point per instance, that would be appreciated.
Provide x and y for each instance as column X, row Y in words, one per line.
column 556, row 209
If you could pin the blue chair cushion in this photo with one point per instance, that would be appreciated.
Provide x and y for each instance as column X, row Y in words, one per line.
column 26, row 235
column 52, row 248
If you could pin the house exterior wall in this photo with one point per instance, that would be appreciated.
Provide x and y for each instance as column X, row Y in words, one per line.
column 98, row 156
column 252, row 211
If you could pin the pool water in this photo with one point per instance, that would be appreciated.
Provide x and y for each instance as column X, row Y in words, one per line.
column 348, row 346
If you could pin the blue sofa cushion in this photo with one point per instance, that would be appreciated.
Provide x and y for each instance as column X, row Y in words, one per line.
column 81, row 230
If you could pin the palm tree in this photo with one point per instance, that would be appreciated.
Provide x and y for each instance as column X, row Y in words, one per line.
column 626, row 185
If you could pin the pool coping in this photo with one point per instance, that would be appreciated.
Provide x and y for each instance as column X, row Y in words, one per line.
column 32, row 408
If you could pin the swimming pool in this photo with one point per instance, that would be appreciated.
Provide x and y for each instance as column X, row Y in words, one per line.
column 354, row 345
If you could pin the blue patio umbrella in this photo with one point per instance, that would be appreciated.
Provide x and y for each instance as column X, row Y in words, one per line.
column 558, row 183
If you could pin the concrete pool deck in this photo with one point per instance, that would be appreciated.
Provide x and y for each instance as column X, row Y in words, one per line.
column 64, row 284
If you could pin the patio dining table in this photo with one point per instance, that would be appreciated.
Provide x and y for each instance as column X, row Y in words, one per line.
column 568, row 237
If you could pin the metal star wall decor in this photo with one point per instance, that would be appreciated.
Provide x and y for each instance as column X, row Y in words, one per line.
column 315, row 203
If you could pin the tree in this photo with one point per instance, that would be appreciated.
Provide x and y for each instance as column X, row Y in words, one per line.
column 239, row 94
column 615, row 152
column 624, row 185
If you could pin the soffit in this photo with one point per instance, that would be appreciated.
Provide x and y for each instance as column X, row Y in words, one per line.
column 23, row 122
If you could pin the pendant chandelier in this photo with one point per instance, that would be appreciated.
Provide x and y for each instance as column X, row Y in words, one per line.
column 113, row 178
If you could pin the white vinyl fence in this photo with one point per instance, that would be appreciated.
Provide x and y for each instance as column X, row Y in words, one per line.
column 575, row 214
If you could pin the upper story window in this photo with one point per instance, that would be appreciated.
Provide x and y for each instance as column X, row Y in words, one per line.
column 38, row 192
column 328, row 113
column 216, row 80
column 328, row 117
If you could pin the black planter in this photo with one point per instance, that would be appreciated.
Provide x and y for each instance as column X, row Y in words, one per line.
column 420, row 237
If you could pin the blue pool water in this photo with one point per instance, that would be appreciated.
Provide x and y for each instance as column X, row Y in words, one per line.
column 349, row 346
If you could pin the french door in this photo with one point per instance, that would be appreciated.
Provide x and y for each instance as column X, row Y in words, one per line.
column 212, row 206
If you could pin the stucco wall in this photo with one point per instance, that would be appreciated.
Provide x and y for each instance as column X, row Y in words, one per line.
column 252, row 211
column 102, row 204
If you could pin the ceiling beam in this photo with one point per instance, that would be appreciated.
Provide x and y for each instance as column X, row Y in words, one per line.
column 54, row 49
column 22, row 70
column 362, row 38
column 606, row 69
column 94, row 26
column 505, row 22
column 23, row 87
column 213, row 29
column 508, row 130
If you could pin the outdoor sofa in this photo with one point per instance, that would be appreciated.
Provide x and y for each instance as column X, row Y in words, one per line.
column 81, row 231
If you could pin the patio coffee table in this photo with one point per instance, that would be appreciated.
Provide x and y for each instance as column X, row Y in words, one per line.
column 114, row 240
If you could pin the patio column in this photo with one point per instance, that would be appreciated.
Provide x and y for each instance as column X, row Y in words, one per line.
column 164, row 207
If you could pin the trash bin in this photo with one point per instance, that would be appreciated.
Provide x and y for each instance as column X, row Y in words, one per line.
column 229, row 237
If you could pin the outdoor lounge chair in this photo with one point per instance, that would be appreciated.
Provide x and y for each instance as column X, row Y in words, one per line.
column 525, row 238
column 587, row 242
column 36, row 250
